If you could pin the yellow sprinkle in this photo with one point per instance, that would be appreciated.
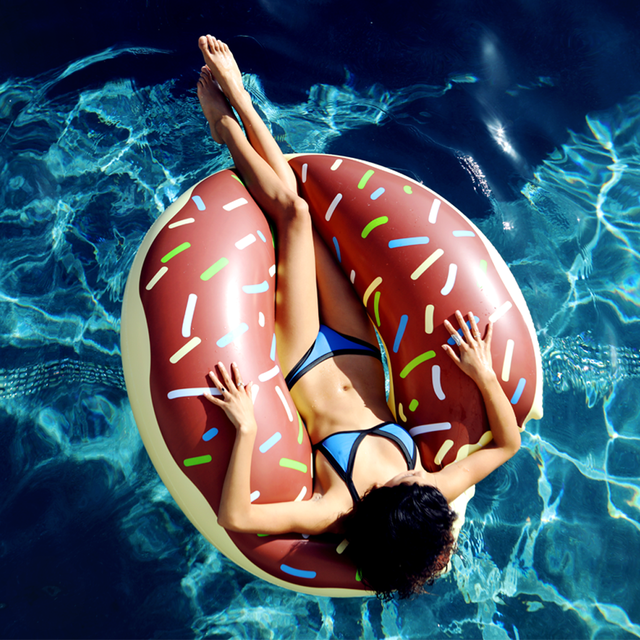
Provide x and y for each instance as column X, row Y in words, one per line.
column 444, row 449
column 428, row 318
column 438, row 253
column 370, row 289
column 467, row 449
column 401, row 412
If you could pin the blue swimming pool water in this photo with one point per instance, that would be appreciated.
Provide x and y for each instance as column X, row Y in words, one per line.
column 92, row 544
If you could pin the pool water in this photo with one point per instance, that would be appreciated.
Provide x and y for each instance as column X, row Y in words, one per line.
column 91, row 542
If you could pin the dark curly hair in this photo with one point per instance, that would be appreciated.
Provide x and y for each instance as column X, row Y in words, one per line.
column 400, row 538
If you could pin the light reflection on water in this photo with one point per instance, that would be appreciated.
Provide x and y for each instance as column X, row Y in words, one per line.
column 552, row 539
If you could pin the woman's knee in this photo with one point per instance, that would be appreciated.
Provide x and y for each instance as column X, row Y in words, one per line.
column 296, row 209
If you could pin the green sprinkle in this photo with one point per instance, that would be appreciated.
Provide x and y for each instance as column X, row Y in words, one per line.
column 300, row 429
column 373, row 224
column 376, row 311
column 358, row 576
column 413, row 405
column 175, row 252
column 262, row 535
column 427, row 355
column 238, row 179
column 293, row 464
column 407, row 189
column 365, row 179
column 192, row 462
column 214, row 268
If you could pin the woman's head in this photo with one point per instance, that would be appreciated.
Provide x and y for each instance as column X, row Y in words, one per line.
column 400, row 538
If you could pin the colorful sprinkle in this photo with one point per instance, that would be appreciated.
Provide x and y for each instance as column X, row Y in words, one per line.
column 500, row 311
column 285, row 404
column 298, row 573
column 254, row 496
column 230, row 206
column 232, row 335
column 332, row 207
column 464, row 234
column 261, row 319
column 377, row 193
column 413, row 405
column 300, row 429
column 467, row 449
column 352, row 276
column 433, row 214
column 519, row 389
column 436, row 382
column 423, row 357
column 342, row 546
column 233, row 175
column 188, row 315
column 429, row 428
column 193, row 391
column 192, row 462
column 401, row 412
column 428, row 318
column 272, row 353
column 376, row 305
column 175, row 252
column 272, row 270
column 199, row 203
column 243, row 243
column 482, row 275
column 373, row 224
column 214, row 268
column 182, row 352
column 400, row 333
column 261, row 287
column 452, row 342
column 254, row 392
column 210, row 434
column 336, row 164
column 270, row 442
column 407, row 189
column 267, row 375
column 408, row 242
column 152, row 283
column 337, row 246
column 506, row 364
column 442, row 452
column 451, row 280
column 301, row 495
column 370, row 289
column 261, row 235
column 438, row 253
column 365, row 178
column 179, row 223
column 305, row 168
column 293, row 464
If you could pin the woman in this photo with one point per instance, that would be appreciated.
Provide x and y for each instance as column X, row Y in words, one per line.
column 369, row 482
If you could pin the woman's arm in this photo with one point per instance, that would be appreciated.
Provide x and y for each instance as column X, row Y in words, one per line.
column 237, row 512
column 475, row 361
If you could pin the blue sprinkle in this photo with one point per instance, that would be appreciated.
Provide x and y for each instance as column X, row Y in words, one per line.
column 261, row 236
column 199, row 203
column 267, row 444
column 401, row 327
column 377, row 193
column 272, row 355
column 337, row 246
column 407, row 242
column 256, row 288
column 464, row 234
column 209, row 435
column 519, row 390
column 299, row 573
column 232, row 335
column 452, row 342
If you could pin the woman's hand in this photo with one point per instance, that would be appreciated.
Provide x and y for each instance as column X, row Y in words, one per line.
column 235, row 398
column 475, row 353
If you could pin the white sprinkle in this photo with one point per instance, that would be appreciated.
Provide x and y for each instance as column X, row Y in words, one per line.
column 433, row 214
column 193, row 391
column 429, row 428
column 254, row 496
column 301, row 495
column 352, row 277
column 435, row 379
column 179, row 223
column 332, row 207
column 336, row 164
column 508, row 357
column 305, row 167
column 285, row 404
column 500, row 311
column 267, row 375
column 261, row 319
column 243, row 243
column 254, row 392
column 188, row 315
column 272, row 270
column 342, row 546
column 152, row 283
column 230, row 206
column 451, row 279
column 182, row 352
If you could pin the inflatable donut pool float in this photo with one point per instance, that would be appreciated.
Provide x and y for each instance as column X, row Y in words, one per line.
column 201, row 290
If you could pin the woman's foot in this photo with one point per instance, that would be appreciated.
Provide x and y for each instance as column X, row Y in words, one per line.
column 223, row 66
column 214, row 105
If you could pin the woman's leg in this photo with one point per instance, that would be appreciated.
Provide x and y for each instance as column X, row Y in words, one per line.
column 297, row 318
